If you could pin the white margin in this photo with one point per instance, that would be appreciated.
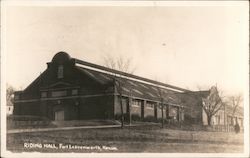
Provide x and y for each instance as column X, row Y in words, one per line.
column 9, row 3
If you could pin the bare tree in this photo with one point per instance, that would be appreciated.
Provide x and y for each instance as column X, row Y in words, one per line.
column 161, row 94
column 9, row 95
column 120, row 63
column 125, row 65
column 235, row 101
column 212, row 103
column 164, row 96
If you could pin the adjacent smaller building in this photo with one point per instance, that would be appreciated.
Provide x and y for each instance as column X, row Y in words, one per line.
column 226, row 116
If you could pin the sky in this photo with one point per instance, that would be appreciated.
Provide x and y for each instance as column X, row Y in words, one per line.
column 185, row 46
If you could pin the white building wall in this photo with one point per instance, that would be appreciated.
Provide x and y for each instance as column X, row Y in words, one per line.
column 9, row 110
column 215, row 120
column 204, row 117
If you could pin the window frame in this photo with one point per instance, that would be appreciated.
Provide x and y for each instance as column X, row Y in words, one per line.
column 74, row 92
column 60, row 72
column 64, row 93
column 136, row 103
column 44, row 96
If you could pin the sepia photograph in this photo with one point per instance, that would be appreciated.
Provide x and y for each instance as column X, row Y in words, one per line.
column 124, row 79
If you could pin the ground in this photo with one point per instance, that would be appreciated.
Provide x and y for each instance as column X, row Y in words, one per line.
column 129, row 139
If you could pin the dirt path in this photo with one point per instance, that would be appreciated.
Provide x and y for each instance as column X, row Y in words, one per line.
column 12, row 131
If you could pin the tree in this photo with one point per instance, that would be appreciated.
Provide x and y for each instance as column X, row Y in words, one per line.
column 164, row 96
column 161, row 93
column 235, row 101
column 125, row 65
column 9, row 95
column 212, row 104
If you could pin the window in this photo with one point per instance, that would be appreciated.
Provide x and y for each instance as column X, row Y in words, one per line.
column 173, row 112
column 60, row 71
column 58, row 93
column 74, row 92
column 159, row 106
column 136, row 103
column 150, row 105
column 44, row 94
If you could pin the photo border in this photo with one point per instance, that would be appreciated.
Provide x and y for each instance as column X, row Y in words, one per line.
column 6, row 153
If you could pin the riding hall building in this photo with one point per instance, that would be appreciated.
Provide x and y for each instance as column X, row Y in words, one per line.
column 72, row 89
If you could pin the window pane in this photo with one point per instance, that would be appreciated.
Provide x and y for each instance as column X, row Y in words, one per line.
column 136, row 103
column 58, row 93
column 150, row 105
column 60, row 71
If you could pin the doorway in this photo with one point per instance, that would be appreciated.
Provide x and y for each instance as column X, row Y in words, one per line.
column 59, row 115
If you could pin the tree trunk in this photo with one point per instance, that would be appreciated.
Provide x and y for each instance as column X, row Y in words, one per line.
column 130, row 108
column 162, row 122
column 167, row 114
column 209, row 120
column 122, row 115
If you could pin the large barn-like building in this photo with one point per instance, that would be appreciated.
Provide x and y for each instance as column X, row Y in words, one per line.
column 72, row 89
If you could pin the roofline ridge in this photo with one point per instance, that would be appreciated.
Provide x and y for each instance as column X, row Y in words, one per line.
column 128, row 78
column 127, row 74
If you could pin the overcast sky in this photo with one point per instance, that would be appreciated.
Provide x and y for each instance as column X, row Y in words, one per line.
column 185, row 46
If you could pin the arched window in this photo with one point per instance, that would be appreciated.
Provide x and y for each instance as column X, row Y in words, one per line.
column 60, row 71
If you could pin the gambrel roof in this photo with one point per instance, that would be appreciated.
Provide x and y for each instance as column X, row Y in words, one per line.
column 133, row 88
column 84, row 73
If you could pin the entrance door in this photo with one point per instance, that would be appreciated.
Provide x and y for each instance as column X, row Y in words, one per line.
column 59, row 115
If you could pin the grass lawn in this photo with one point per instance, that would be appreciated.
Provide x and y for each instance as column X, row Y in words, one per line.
column 129, row 139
